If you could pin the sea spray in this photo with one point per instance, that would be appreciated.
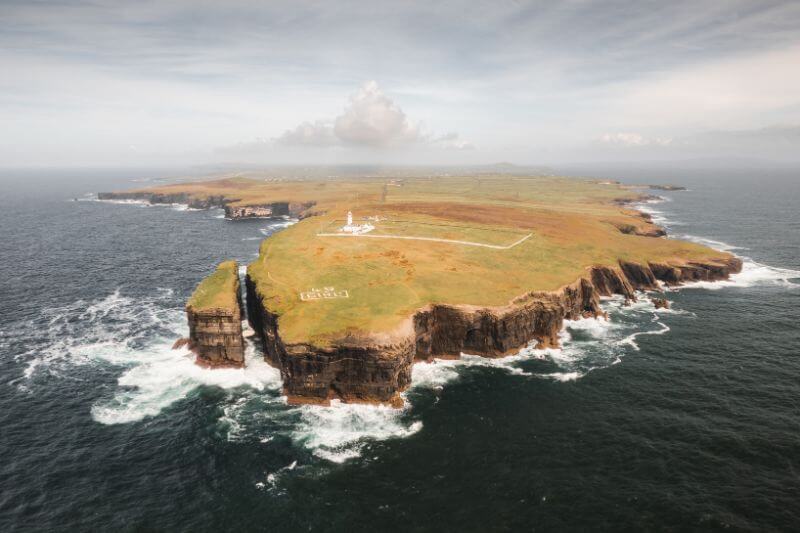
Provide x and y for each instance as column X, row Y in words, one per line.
column 162, row 376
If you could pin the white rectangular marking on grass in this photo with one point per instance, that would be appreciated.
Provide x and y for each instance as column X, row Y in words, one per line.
column 433, row 239
column 326, row 293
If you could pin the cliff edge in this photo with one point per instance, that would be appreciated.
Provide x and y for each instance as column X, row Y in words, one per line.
column 214, row 312
column 376, row 368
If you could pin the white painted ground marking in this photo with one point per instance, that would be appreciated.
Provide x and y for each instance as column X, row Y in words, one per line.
column 433, row 239
column 326, row 293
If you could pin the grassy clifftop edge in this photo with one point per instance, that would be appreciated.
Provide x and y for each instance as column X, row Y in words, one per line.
column 218, row 290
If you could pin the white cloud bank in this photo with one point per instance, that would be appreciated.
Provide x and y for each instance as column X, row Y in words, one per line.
column 371, row 119
column 633, row 139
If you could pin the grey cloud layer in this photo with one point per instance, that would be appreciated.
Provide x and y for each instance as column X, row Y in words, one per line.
column 523, row 80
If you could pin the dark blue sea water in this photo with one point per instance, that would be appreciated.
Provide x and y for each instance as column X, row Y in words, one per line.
column 687, row 419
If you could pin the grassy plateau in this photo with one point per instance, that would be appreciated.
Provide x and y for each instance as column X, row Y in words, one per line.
column 218, row 290
column 571, row 224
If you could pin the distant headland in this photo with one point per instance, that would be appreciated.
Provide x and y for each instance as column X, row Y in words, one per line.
column 380, row 272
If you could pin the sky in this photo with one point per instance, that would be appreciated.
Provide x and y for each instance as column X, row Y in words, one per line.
column 206, row 82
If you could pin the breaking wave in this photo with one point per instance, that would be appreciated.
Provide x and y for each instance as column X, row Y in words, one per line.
column 137, row 334
column 753, row 273
column 161, row 376
column 276, row 226
column 109, row 329
column 340, row 432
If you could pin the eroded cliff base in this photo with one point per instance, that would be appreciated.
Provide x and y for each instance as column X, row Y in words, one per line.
column 214, row 313
column 364, row 370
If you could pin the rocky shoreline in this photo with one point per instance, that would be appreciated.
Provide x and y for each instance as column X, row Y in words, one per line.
column 232, row 212
column 375, row 369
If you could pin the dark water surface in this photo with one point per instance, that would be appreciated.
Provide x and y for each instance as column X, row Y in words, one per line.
column 679, row 420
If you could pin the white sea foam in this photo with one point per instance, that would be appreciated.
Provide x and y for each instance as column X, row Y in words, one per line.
column 139, row 203
column 277, row 226
column 658, row 217
column 105, row 329
column 753, row 273
column 630, row 340
column 138, row 334
column 711, row 243
column 160, row 376
column 272, row 478
column 339, row 432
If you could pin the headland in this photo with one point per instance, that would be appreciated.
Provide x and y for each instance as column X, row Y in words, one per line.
column 380, row 271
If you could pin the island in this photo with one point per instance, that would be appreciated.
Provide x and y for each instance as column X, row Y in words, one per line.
column 382, row 271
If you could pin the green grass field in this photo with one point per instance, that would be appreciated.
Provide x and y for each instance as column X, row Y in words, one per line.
column 431, row 228
column 217, row 290
column 573, row 224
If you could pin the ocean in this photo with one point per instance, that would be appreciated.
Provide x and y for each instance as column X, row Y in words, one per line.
column 679, row 419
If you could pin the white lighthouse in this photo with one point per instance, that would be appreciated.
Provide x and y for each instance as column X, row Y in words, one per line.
column 355, row 229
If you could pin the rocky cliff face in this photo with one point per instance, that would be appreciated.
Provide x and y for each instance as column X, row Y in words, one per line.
column 647, row 230
column 215, row 335
column 353, row 370
column 274, row 209
column 248, row 211
column 447, row 331
column 362, row 370
column 159, row 198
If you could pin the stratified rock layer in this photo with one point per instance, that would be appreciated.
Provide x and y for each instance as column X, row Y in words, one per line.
column 160, row 198
column 266, row 210
column 215, row 334
column 377, row 370
column 353, row 370
column 275, row 209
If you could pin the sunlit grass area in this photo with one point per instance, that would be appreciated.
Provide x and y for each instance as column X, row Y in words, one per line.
column 218, row 290
column 408, row 260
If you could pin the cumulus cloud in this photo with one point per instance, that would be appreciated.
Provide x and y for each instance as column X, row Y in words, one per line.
column 371, row 119
column 318, row 133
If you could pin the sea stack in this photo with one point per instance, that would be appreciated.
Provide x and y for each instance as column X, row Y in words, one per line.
column 214, row 313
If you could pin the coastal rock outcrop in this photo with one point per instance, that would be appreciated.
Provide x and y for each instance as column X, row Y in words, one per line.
column 233, row 212
column 376, row 370
column 216, row 337
column 353, row 369
column 447, row 331
column 643, row 230
column 206, row 202
column 214, row 314
column 667, row 187
column 275, row 209
column 660, row 303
